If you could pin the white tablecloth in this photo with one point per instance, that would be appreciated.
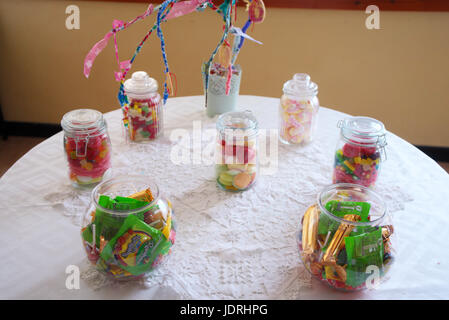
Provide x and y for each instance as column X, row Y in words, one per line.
column 237, row 246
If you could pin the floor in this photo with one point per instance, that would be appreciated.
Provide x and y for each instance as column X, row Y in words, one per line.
column 15, row 147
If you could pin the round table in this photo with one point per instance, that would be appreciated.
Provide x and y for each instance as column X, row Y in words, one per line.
column 229, row 245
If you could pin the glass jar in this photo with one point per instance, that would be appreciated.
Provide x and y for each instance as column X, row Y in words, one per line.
column 87, row 146
column 237, row 163
column 144, row 114
column 298, row 110
column 360, row 151
column 129, row 227
column 346, row 238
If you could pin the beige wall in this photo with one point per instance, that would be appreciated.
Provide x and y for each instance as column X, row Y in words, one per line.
column 399, row 74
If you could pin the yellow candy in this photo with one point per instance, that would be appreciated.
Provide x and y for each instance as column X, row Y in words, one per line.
column 86, row 165
column 349, row 165
column 167, row 228
column 103, row 153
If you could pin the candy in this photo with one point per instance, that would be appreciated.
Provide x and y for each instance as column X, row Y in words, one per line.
column 144, row 112
column 362, row 251
column 298, row 110
column 241, row 181
column 338, row 252
column 355, row 164
column 236, row 168
column 88, row 160
column 127, row 246
column 335, row 245
column 144, row 195
column 144, row 122
column 310, row 230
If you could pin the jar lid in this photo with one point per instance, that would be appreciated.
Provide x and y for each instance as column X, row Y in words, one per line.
column 363, row 131
column 83, row 121
column 140, row 84
column 301, row 86
column 241, row 124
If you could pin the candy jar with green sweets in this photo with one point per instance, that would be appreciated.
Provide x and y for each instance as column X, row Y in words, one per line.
column 129, row 227
column 346, row 238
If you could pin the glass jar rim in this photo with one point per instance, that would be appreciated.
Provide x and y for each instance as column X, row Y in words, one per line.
column 370, row 192
column 92, row 127
column 363, row 131
column 118, row 179
column 249, row 131
column 300, row 86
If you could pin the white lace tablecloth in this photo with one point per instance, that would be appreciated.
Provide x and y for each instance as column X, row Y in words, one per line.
column 229, row 245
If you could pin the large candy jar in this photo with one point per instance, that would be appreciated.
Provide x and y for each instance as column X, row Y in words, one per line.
column 129, row 228
column 298, row 110
column 145, row 112
column 346, row 238
column 360, row 151
column 237, row 164
column 87, row 146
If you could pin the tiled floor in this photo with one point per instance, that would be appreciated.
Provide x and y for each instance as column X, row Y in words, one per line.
column 15, row 147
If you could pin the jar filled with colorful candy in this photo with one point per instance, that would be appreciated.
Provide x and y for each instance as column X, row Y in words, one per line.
column 346, row 238
column 360, row 151
column 237, row 164
column 129, row 228
column 144, row 111
column 298, row 110
column 87, row 146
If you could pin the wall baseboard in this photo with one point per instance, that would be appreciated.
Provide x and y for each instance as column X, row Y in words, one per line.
column 436, row 153
column 46, row 130
column 29, row 129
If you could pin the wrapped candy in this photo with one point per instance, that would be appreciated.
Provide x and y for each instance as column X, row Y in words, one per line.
column 298, row 110
column 87, row 146
column 127, row 237
column 342, row 237
column 236, row 153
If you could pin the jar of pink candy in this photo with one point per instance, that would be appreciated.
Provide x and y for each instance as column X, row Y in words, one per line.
column 87, row 146
column 144, row 114
column 298, row 109
column 360, row 151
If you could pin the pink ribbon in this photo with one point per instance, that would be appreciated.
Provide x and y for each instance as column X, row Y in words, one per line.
column 94, row 52
column 100, row 45
column 183, row 8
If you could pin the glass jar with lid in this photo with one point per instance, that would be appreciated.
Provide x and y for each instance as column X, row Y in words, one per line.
column 144, row 111
column 129, row 227
column 346, row 239
column 237, row 162
column 360, row 151
column 87, row 146
column 298, row 110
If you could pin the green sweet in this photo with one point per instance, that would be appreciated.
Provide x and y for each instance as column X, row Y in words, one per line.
column 146, row 252
column 340, row 209
column 106, row 224
column 362, row 251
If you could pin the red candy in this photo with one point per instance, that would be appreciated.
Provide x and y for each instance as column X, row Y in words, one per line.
column 351, row 151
